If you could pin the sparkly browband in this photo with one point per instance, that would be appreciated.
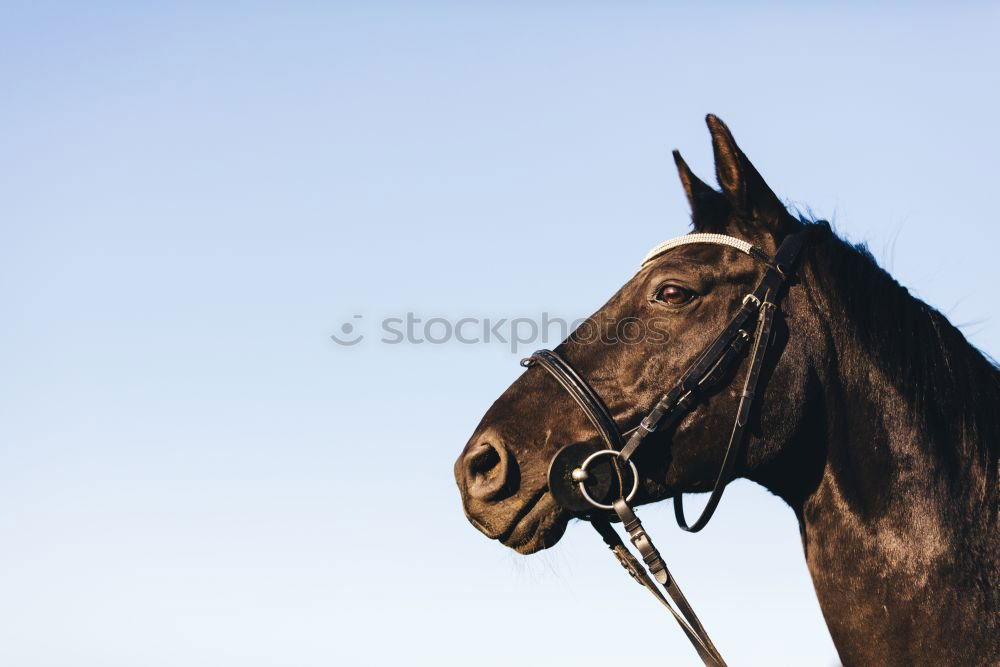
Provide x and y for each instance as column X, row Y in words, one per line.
column 717, row 239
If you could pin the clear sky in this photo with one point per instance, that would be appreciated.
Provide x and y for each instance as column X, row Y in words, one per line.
column 195, row 196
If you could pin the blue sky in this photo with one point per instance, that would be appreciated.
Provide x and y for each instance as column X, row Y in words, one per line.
column 193, row 197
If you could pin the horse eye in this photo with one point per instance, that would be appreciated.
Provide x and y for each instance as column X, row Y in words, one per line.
column 674, row 295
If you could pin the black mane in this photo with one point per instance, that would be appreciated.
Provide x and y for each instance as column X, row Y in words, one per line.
column 929, row 362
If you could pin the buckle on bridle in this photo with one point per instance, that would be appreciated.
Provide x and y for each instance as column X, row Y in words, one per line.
column 751, row 297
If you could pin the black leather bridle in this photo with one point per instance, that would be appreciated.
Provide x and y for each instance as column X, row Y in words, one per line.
column 574, row 483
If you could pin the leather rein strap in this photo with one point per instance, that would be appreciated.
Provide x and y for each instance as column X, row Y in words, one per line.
column 706, row 373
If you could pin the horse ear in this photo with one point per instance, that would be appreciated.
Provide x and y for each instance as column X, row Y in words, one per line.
column 709, row 207
column 748, row 195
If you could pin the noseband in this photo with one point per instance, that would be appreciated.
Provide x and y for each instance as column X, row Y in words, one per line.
column 574, row 481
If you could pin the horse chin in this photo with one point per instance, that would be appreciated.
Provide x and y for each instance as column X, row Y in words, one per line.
column 540, row 528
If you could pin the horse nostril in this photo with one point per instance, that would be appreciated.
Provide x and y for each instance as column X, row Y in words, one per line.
column 487, row 470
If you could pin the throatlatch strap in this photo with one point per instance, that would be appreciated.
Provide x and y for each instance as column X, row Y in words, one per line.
column 739, row 426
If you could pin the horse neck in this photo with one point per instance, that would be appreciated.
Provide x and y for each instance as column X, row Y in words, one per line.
column 900, row 530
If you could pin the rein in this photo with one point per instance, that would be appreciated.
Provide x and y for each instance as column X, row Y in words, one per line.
column 572, row 481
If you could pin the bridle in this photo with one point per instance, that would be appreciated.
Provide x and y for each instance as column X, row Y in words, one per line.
column 574, row 480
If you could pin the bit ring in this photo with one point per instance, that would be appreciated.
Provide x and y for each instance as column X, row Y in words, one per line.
column 583, row 469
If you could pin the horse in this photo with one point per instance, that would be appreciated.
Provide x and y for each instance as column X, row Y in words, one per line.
column 875, row 420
